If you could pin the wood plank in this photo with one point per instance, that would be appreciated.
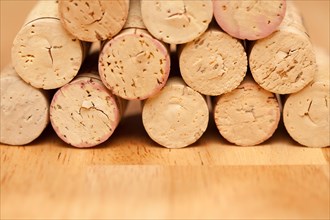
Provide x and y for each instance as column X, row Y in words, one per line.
column 130, row 145
column 131, row 177
column 56, row 191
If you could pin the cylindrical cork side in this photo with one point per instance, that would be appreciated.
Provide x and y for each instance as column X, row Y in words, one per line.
column 177, row 116
column 44, row 54
column 247, row 116
column 306, row 114
column 134, row 65
column 24, row 109
column 250, row 20
column 176, row 22
column 84, row 113
column 134, row 18
column 284, row 62
column 213, row 64
column 92, row 21
column 43, row 9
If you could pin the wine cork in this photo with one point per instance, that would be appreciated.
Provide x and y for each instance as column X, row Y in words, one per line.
column 43, row 53
column 249, row 20
column 84, row 113
column 248, row 115
column 134, row 18
column 284, row 62
column 177, row 116
column 24, row 109
column 213, row 64
column 91, row 20
column 306, row 113
column 176, row 22
column 134, row 65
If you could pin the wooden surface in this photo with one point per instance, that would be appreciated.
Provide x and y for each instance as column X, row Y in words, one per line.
column 130, row 176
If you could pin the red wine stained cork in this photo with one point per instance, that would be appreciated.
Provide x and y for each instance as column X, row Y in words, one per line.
column 134, row 65
column 249, row 19
column 248, row 115
column 91, row 20
column 306, row 114
column 213, row 64
column 24, row 109
column 176, row 22
column 177, row 116
column 284, row 62
column 44, row 54
column 84, row 113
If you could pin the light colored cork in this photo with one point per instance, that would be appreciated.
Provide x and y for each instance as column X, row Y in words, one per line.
column 43, row 9
column 84, row 113
column 134, row 18
column 91, row 20
column 247, row 116
column 176, row 22
column 44, row 54
column 213, row 64
column 284, row 62
column 177, row 116
column 24, row 109
column 306, row 114
column 134, row 65
column 249, row 19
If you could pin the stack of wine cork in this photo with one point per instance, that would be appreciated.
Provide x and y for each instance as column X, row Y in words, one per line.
column 248, row 56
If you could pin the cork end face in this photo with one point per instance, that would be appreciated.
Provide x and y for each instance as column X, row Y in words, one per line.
column 45, row 55
column 134, row 65
column 286, row 66
column 24, row 111
column 176, row 117
column 176, row 22
column 248, row 115
column 213, row 64
column 93, row 21
column 306, row 115
column 84, row 113
column 249, row 20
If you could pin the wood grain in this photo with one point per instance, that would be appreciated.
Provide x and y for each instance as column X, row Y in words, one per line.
column 174, row 192
column 129, row 176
